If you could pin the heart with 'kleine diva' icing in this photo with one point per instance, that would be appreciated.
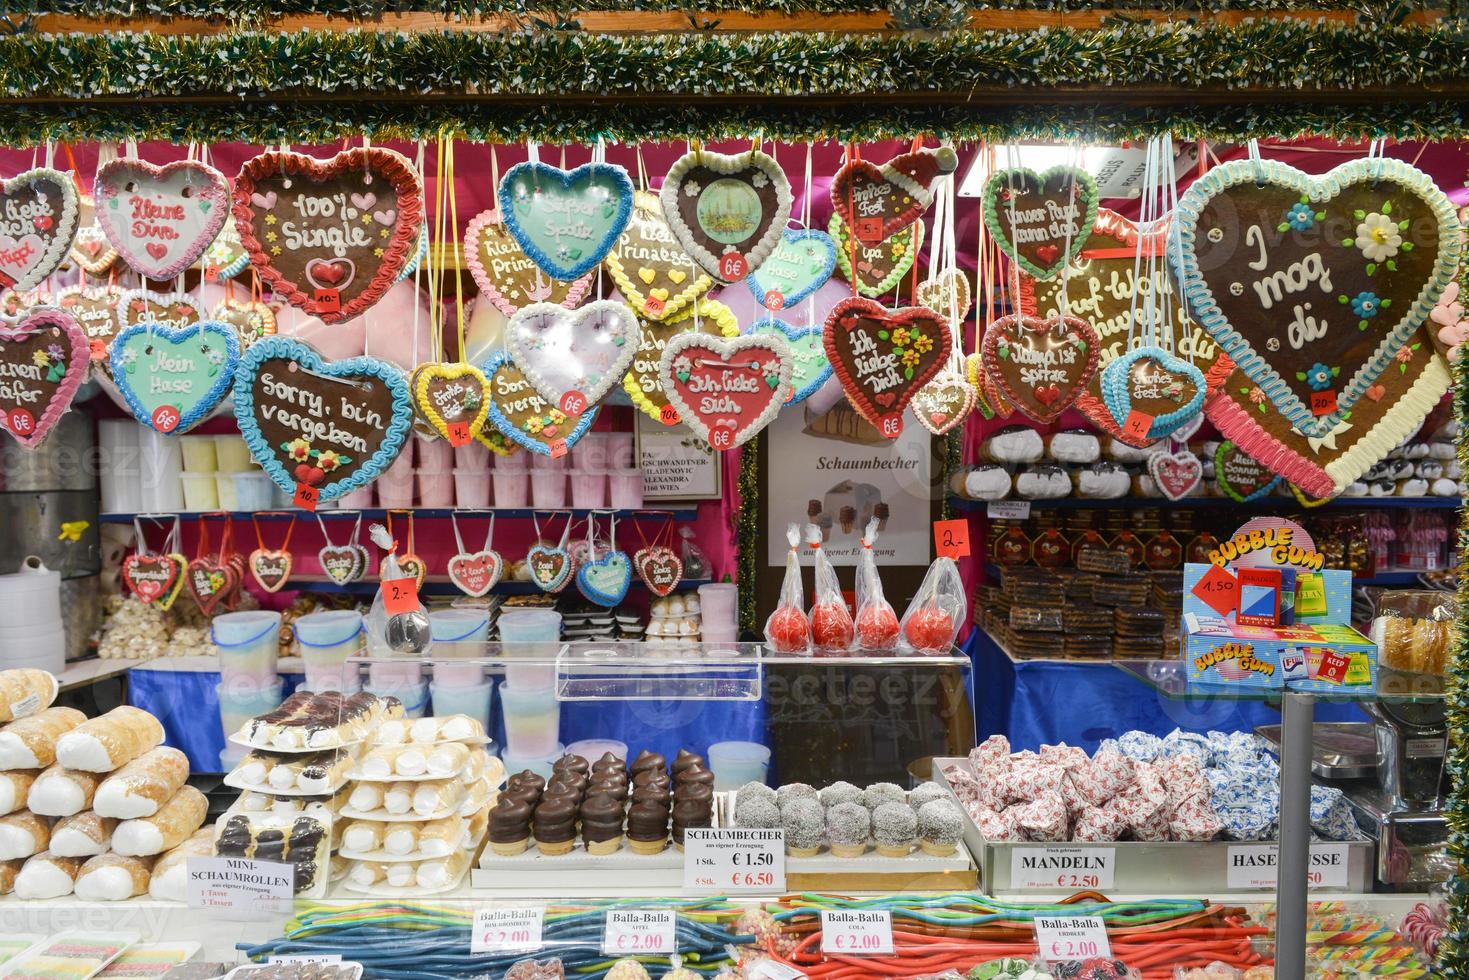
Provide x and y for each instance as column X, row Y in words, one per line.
column 809, row 367
column 160, row 219
column 726, row 391
column 882, row 357
column 1041, row 366
column 476, row 573
column 582, row 352
column 1314, row 284
column 728, row 211
column 38, row 223
column 44, row 359
column 174, row 379
column 565, row 220
column 605, row 580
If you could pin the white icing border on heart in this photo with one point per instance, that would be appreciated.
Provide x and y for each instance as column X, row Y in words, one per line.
column 66, row 228
column 631, row 339
column 725, row 163
column 727, row 349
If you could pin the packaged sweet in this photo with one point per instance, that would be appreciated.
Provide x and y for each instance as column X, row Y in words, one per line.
column 1414, row 631
column 110, row 741
column 84, row 835
column 169, row 826
column 199, row 970
column 24, row 691
column 290, row 774
column 48, row 875
column 936, row 612
column 832, row 632
column 788, row 630
column 302, row 840
column 296, row 970
column 403, row 632
column 31, row 742
column 877, row 623
column 113, row 878
column 421, row 731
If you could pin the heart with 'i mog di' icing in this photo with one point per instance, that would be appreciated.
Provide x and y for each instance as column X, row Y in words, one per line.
column 573, row 357
column 1041, row 220
column 728, row 211
column 343, row 564
column 659, row 567
column 251, row 320
column 160, row 219
column 944, row 402
column 1176, row 475
column 1240, row 476
column 329, row 236
column 38, row 223
column 476, row 573
column 1312, row 284
column 506, row 276
column 44, row 359
column 882, row 356
column 652, row 271
column 453, row 399
column 641, row 382
column 880, row 268
column 801, row 262
column 95, row 310
column 173, row 379
column 565, row 220
column 154, row 578
column 270, row 567
column 1040, row 365
column 519, row 412
column 550, row 568
column 876, row 202
column 726, row 390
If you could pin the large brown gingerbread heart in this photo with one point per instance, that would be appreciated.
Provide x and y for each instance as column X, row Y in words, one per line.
column 1041, row 365
column 876, row 202
column 38, row 223
column 506, row 276
column 882, row 356
column 43, row 361
column 329, row 236
column 654, row 274
column 728, row 211
column 1040, row 220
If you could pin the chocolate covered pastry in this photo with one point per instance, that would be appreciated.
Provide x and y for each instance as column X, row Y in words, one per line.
column 303, row 840
column 554, row 825
column 320, row 721
column 684, row 760
column 574, row 763
column 609, row 763
column 510, row 826
column 688, row 813
column 647, row 827
column 602, row 824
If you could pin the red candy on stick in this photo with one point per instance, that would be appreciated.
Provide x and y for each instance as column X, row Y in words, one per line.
column 831, row 621
column 877, row 624
column 788, row 630
column 929, row 629
column 877, row 628
column 933, row 617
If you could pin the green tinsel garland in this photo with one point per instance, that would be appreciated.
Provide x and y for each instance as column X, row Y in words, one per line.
column 1453, row 953
column 747, row 535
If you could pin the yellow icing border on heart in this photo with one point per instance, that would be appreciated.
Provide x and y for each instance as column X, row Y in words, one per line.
column 709, row 309
column 449, row 372
column 701, row 282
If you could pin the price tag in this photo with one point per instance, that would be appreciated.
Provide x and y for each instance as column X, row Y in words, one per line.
column 732, row 266
column 890, row 426
column 668, row 415
column 1417, row 748
column 654, row 306
column 1008, row 510
column 1323, row 402
column 165, row 418
column 400, row 595
column 1218, row 590
column 869, row 230
column 857, row 933
column 640, row 932
column 1137, row 424
column 573, row 403
column 771, row 970
column 721, row 437
column 508, row 930
column 1255, row 866
column 328, row 300
column 458, row 433
column 1079, row 937
column 21, row 421
column 1062, row 868
column 325, row 959
column 951, row 538
column 240, row 888
column 733, row 859
column 558, row 448
column 306, row 497
column 775, row 300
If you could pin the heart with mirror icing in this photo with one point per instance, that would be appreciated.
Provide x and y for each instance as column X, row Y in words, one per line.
column 506, row 276
column 726, row 390
column 329, row 236
column 524, row 415
column 659, row 567
column 1041, row 366
column 330, row 425
column 251, row 320
column 582, row 352
column 641, row 382
column 728, row 211
column 211, row 581
column 1176, row 475
column 1165, row 391
column 154, row 578
column 878, row 201
column 801, row 263
column 270, row 567
column 550, row 568
column 343, row 564
column 655, row 275
column 882, row 356
column 160, row 219
column 1040, row 220
column 948, row 293
column 44, row 358
column 476, row 573
column 565, row 220
column 94, row 308
column 880, row 268
column 445, row 394
column 38, row 223
column 1314, row 284
column 1240, row 476
column 944, row 402
column 173, row 379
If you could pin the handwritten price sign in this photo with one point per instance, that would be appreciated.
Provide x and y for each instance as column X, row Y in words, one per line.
column 508, row 930
column 857, row 933
column 1063, row 938
column 640, row 932
column 400, row 595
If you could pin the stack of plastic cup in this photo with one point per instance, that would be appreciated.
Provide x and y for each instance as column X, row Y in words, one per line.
column 736, row 763
column 395, row 484
column 472, row 487
column 718, row 602
column 161, row 464
column 511, row 477
column 592, row 749
column 359, row 499
column 548, row 481
column 588, row 488
column 249, row 645
column 201, row 491
column 461, row 688
column 253, row 490
column 626, row 487
column 327, row 641
column 541, row 765
column 120, row 467
column 435, row 470
column 528, row 699
column 620, row 451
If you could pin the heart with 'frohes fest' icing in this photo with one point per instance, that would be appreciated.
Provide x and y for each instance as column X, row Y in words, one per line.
column 160, row 219
column 38, row 223
column 874, row 202
column 329, row 236
column 44, row 358
column 882, row 356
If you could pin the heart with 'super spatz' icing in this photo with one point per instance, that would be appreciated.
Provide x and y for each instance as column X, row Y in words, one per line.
column 726, row 390
column 944, row 402
column 550, row 568
column 476, row 573
column 251, row 320
column 1041, row 366
column 1313, row 284
column 565, row 220
column 659, row 567
column 270, row 567
column 44, row 358
column 652, row 271
column 882, row 356
column 329, row 236
column 880, row 268
column 1176, row 475
column 876, row 202
column 154, row 578
column 343, row 564
column 1041, row 220
column 38, row 223
column 94, row 308
column 211, row 581
column 160, row 219
column 728, row 211
column 641, row 382
column 446, row 394
column 585, row 351
column 1240, row 476
column 506, row 276
column 521, row 414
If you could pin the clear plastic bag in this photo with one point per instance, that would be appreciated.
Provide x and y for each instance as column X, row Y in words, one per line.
column 877, row 623
column 832, row 632
column 933, row 617
column 695, row 562
column 407, row 632
column 788, row 630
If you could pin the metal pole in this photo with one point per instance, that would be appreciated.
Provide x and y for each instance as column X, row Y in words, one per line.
column 1296, row 715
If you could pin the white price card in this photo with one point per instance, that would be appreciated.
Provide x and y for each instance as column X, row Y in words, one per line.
column 639, row 932
column 734, row 859
column 239, row 887
column 1257, row 866
column 1008, row 510
column 1063, row 938
column 1062, row 868
column 771, row 970
column 508, row 930
column 324, row 959
column 856, row 932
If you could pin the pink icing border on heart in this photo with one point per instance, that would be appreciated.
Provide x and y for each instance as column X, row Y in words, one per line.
column 76, row 368
column 481, row 275
column 216, row 190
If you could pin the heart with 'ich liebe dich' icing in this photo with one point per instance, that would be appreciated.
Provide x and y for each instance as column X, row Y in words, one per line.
column 882, row 356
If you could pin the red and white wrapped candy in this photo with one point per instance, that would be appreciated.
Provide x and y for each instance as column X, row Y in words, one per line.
column 1195, row 820
column 1099, row 823
column 992, row 755
column 1044, row 818
column 963, row 783
column 993, row 825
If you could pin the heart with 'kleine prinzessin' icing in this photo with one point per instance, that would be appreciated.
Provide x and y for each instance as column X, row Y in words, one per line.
column 809, row 367
column 1041, row 366
column 38, row 223
column 160, row 219
column 652, row 271
column 944, row 402
column 882, row 356
column 519, row 413
column 44, row 359
column 453, row 399
column 476, row 573
column 1314, row 284
column 582, row 352
column 506, row 276
column 726, row 391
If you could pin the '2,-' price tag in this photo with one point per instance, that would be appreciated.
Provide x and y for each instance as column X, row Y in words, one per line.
column 1071, row 937
column 400, row 595
column 854, row 932
column 951, row 538
column 508, row 930
column 640, row 932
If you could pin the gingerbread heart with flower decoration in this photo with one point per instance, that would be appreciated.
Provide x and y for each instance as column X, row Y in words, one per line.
column 726, row 390
column 1240, row 476
column 641, row 381
column 44, row 359
column 1176, row 475
column 550, row 568
column 38, row 223
column 95, row 310
column 659, row 567
column 1313, row 284
column 573, row 357
column 652, row 271
column 251, row 320
column 1040, row 365
column 882, row 356
column 211, row 581
column 160, row 219
column 728, row 211
column 453, row 399
column 506, row 276
column 154, row 578
column 944, row 402
column 521, row 414
column 173, row 379
column 329, row 236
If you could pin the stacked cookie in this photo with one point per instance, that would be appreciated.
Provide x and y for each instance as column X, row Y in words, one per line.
column 847, row 820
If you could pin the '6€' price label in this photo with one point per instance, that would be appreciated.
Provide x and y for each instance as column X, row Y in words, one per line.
column 857, row 933
column 508, row 930
column 636, row 932
column 1071, row 937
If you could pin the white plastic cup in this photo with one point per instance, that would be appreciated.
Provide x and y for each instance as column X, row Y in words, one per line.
column 541, row 765
column 435, row 490
column 718, row 602
column 736, row 763
column 389, row 673
column 224, row 489
column 359, row 499
column 592, row 749
column 121, row 466
column 626, row 488
column 199, row 454
column 231, row 453
column 588, row 488
column 516, row 462
column 161, row 461
column 253, row 490
column 248, row 642
column 346, row 678
column 326, row 639
column 620, row 451
column 434, row 455
column 243, row 699
column 414, row 696
column 472, row 487
column 530, row 634
column 472, row 455
column 512, row 487
column 547, row 488
column 545, row 461
column 200, row 491
column 590, row 452
column 452, row 698
column 532, row 720
column 41, row 647
column 459, row 634
column 395, row 484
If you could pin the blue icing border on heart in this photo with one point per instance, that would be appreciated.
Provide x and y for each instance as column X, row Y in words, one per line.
column 502, row 422
column 752, row 281
column 223, row 379
column 566, row 178
column 1114, row 389
column 411, row 266
column 1200, row 298
column 308, row 357
column 566, row 567
column 595, row 594
column 775, row 325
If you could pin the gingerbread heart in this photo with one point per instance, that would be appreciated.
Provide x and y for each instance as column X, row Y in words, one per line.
column 140, row 306
column 476, row 573
column 1040, row 220
column 809, row 367
column 414, row 567
column 879, row 269
column 270, row 567
column 94, row 308
column 225, row 257
column 154, row 578
column 330, row 425
column 565, row 220
column 992, row 402
column 573, row 357
column 550, row 568
column 875, row 202
column 726, row 391
column 1240, row 476
column 1151, row 393
column 801, row 263
column 605, row 580
column 653, row 273
column 90, row 249
column 173, row 379
column 211, row 581
column 160, row 219
column 251, row 320
column 343, row 564
column 727, row 211
column 1313, row 284
column 1041, row 366
column 1176, row 475
column 506, row 276
column 948, row 293
column 641, row 381
column 329, row 236
column 882, row 357
column 453, row 399
column 944, row 402
column 659, row 567
column 38, row 222
column 44, row 359
column 521, row 414
column 1306, row 500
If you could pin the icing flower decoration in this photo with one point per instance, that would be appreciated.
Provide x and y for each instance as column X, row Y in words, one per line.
column 1256, row 395
column 1366, row 305
column 129, row 357
column 533, row 425
column 40, row 358
column 911, row 358
column 1300, row 217
column 923, row 343
column 555, row 416
column 1378, row 236
column 54, row 352
column 900, row 337
column 1404, row 355
column 758, row 179
column 1319, row 377
column 299, row 450
column 327, row 460
column 691, row 188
